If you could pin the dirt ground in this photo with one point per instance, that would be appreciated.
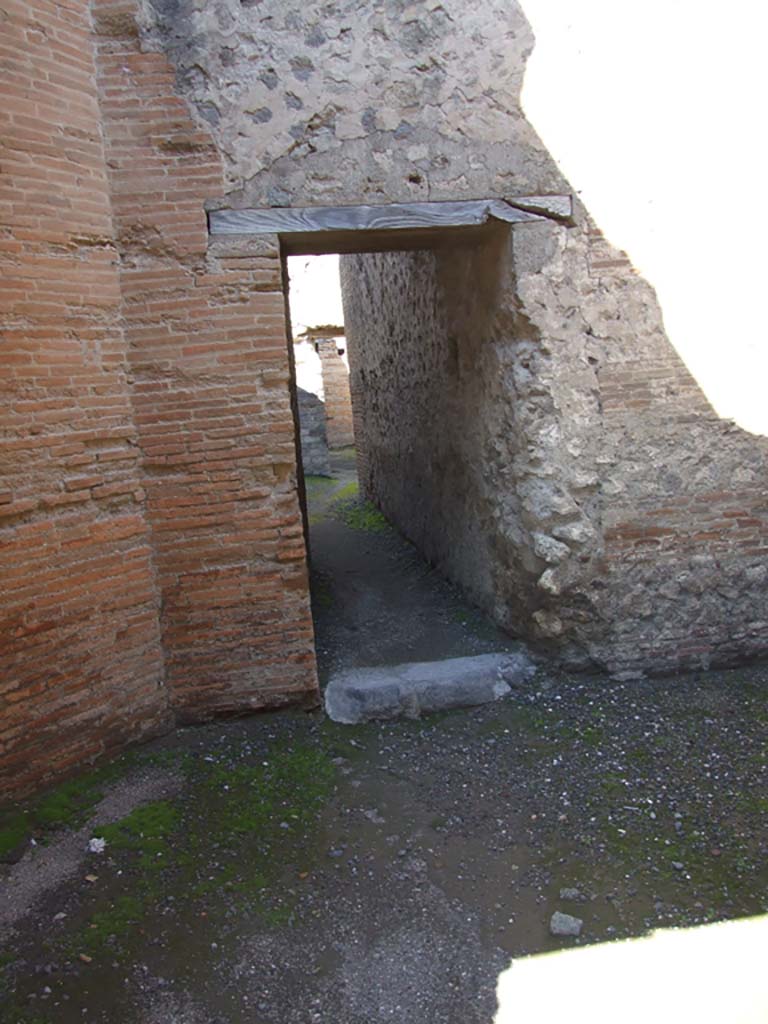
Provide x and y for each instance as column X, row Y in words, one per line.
column 285, row 869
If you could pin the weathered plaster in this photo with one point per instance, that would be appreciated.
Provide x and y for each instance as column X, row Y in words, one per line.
column 343, row 102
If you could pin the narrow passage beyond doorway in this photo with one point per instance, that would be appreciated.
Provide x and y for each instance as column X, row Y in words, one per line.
column 375, row 600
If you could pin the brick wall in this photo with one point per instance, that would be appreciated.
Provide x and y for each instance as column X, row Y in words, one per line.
column 210, row 386
column 151, row 545
column 81, row 668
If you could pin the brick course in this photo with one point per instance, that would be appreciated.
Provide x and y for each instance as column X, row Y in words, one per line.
column 210, row 390
column 151, row 545
column 338, row 402
column 81, row 666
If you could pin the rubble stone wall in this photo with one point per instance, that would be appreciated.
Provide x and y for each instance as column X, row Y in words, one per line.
column 352, row 103
column 314, row 442
column 522, row 417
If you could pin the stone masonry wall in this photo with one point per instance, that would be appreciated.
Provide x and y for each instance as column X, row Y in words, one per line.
column 81, row 666
column 521, row 415
column 352, row 103
column 314, row 442
column 423, row 390
column 627, row 523
column 210, row 385
column 615, row 484
column 672, row 574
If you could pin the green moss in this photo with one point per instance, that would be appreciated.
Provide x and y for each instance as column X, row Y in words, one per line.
column 591, row 736
column 342, row 740
column 67, row 803
column 318, row 483
column 278, row 915
column 15, row 827
column 357, row 513
column 529, row 718
column 260, row 817
column 116, row 920
column 753, row 803
column 290, row 786
column 366, row 517
column 145, row 831
column 350, row 490
column 64, row 805
column 256, row 816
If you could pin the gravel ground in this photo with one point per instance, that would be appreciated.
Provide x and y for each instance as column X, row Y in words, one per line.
column 283, row 869
column 432, row 856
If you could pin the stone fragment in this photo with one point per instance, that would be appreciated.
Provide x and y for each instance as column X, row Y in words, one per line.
column 551, row 550
column 547, row 623
column 579, row 532
column 565, row 924
column 570, row 894
column 549, row 583
column 364, row 694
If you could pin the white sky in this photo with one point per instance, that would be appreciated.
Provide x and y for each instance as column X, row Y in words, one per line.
column 655, row 112
column 315, row 292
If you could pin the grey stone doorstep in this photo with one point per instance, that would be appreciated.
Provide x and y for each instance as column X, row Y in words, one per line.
column 409, row 690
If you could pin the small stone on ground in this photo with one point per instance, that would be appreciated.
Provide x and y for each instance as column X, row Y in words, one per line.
column 565, row 924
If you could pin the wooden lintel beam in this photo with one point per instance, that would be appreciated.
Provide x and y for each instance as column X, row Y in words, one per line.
column 310, row 220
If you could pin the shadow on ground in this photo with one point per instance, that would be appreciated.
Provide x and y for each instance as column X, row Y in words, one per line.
column 290, row 870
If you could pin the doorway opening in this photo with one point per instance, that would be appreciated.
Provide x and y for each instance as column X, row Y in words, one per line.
column 381, row 381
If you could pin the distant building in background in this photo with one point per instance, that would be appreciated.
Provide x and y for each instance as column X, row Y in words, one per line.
column 322, row 364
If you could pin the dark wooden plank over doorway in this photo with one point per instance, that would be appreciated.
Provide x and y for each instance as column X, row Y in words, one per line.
column 322, row 229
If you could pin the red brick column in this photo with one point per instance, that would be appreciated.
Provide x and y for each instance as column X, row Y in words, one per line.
column 338, row 403
column 80, row 658
column 210, row 378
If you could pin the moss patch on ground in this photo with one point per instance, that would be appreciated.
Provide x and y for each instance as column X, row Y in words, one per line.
column 65, row 805
column 360, row 515
column 244, row 818
column 350, row 490
column 318, row 486
column 290, row 784
column 145, row 831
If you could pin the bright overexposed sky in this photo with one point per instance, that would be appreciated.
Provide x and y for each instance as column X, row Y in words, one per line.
column 655, row 112
column 315, row 292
